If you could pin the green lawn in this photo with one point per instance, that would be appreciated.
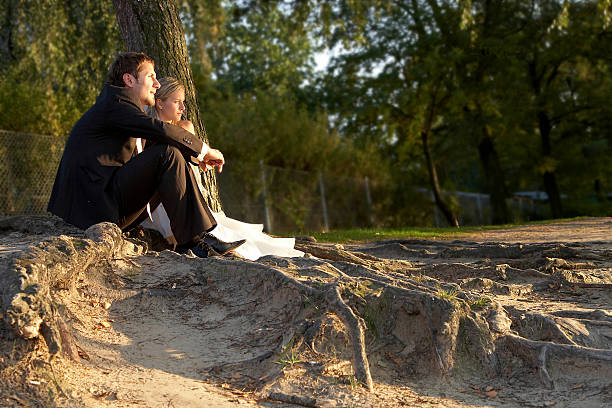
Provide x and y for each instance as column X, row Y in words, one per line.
column 364, row 235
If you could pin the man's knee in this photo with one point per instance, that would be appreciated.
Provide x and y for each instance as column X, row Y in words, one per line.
column 172, row 154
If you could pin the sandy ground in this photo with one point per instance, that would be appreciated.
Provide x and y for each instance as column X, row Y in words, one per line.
column 164, row 330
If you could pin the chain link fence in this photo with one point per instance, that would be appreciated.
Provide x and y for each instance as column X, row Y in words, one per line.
column 284, row 200
column 28, row 163
column 287, row 200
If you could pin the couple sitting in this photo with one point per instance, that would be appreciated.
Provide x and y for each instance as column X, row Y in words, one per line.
column 103, row 177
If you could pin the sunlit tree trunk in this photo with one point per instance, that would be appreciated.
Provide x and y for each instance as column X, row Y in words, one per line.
column 446, row 209
column 448, row 213
column 154, row 27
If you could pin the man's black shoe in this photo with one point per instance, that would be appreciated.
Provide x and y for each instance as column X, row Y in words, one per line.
column 203, row 250
column 217, row 245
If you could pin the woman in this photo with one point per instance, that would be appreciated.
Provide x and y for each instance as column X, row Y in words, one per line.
column 169, row 107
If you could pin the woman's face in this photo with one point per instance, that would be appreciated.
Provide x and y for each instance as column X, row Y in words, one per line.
column 172, row 107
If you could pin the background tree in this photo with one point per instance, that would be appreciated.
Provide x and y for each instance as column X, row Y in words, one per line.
column 256, row 87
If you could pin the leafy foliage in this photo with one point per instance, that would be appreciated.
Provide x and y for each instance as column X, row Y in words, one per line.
column 406, row 77
column 47, row 78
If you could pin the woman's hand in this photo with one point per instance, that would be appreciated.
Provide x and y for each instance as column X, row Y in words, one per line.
column 213, row 158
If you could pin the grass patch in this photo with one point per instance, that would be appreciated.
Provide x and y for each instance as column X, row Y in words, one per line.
column 480, row 303
column 379, row 234
column 448, row 294
column 288, row 357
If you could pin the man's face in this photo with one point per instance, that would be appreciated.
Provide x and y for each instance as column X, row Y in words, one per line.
column 145, row 86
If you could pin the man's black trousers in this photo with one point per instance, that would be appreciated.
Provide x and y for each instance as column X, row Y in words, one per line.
column 161, row 174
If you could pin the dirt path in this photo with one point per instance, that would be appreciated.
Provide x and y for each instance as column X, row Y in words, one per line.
column 163, row 330
column 584, row 230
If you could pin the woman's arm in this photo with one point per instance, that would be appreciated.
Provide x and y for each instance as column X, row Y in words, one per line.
column 187, row 125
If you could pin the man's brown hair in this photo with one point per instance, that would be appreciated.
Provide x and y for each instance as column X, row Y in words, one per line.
column 127, row 63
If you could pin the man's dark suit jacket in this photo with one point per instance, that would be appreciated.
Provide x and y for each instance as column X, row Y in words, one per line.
column 102, row 141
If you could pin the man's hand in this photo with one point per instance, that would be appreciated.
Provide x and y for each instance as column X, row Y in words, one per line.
column 213, row 158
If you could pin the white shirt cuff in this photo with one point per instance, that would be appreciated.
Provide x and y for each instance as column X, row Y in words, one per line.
column 205, row 149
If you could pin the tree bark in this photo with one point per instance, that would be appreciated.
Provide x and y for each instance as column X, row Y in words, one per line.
column 435, row 185
column 6, row 34
column 154, row 27
column 494, row 175
column 549, row 176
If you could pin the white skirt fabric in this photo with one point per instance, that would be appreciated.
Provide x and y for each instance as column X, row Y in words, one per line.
column 257, row 243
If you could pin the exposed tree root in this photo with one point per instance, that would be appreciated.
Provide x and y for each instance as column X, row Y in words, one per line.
column 580, row 314
column 330, row 252
column 293, row 399
column 413, row 316
column 355, row 326
column 539, row 353
column 26, row 286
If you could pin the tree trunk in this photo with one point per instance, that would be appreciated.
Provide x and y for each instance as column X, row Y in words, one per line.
column 496, row 184
column 493, row 172
column 6, row 34
column 549, row 176
column 435, row 185
column 154, row 27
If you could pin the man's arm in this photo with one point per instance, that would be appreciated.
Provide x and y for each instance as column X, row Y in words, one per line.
column 125, row 116
column 209, row 158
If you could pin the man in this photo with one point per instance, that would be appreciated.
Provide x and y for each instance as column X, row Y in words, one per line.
column 101, row 178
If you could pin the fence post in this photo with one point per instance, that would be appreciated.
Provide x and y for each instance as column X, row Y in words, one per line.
column 366, row 183
column 323, row 203
column 479, row 207
column 437, row 222
column 267, row 224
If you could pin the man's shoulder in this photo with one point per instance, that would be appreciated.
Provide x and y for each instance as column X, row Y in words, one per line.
column 111, row 95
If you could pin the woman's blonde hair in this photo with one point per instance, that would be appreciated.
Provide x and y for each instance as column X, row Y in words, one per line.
column 168, row 86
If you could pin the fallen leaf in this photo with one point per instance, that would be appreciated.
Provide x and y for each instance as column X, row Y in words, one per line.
column 104, row 323
column 83, row 354
column 107, row 305
column 577, row 387
column 102, row 395
column 491, row 394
